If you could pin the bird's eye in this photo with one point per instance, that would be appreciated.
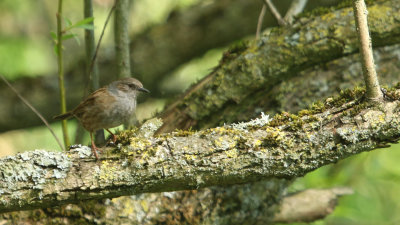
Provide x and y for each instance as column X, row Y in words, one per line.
column 131, row 85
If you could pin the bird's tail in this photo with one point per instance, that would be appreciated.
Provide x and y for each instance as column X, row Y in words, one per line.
column 64, row 116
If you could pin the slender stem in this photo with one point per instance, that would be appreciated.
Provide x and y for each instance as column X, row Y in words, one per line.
column 91, row 68
column 260, row 21
column 121, row 36
column 61, row 72
column 34, row 111
column 374, row 92
column 295, row 8
column 275, row 12
column 100, row 39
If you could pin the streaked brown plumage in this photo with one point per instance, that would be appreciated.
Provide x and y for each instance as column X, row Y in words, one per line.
column 107, row 107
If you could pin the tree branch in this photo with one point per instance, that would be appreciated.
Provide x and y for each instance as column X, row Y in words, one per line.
column 155, row 53
column 275, row 12
column 309, row 205
column 280, row 55
column 295, row 8
column 374, row 92
column 289, row 146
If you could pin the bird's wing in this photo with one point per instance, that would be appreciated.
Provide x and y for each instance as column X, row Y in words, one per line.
column 94, row 103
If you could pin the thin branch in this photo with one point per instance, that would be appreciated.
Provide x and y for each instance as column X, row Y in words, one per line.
column 59, row 48
column 367, row 58
column 260, row 21
column 35, row 111
column 275, row 12
column 100, row 39
column 295, row 8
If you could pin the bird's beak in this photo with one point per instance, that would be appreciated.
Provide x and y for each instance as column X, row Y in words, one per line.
column 143, row 90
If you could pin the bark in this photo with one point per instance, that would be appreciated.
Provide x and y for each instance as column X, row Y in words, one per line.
column 286, row 147
column 260, row 65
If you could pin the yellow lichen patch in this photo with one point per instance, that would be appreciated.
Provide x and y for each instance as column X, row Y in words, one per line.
column 232, row 153
column 107, row 171
column 224, row 143
column 144, row 205
column 145, row 156
column 139, row 143
column 374, row 117
column 183, row 133
column 257, row 143
column 190, row 157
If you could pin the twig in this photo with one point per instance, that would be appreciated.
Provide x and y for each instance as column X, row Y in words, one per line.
column 100, row 39
column 260, row 21
column 275, row 12
column 34, row 110
column 370, row 77
column 61, row 72
column 295, row 8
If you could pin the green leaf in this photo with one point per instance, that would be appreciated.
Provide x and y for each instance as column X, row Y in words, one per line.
column 85, row 21
column 53, row 35
column 68, row 22
column 68, row 36
column 72, row 35
column 86, row 26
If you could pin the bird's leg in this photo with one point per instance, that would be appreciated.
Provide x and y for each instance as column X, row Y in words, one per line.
column 94, row 148
column 113, row 136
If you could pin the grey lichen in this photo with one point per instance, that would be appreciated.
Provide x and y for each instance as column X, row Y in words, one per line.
column 32, row 166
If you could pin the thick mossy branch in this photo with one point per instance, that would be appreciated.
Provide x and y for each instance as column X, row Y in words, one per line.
column 279, row 54
column 287, row 146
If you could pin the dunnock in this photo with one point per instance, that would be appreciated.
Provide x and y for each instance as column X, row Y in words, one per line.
column 108, row 107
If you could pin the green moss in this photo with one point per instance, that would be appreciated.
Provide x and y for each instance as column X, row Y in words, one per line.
column 273, row 138
column 124, row 136
column 294, row 121
column 234, row 50
column 392, row 93
column 345, row 96
column 317, row 107
column 357, row 108
column 343, row 4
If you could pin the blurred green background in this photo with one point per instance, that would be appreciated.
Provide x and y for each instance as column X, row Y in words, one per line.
column 26, row 49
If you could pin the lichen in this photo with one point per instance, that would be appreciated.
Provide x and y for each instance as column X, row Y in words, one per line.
column 33, row 166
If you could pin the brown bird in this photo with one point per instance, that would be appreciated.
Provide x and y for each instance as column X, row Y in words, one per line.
column 107, row 107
